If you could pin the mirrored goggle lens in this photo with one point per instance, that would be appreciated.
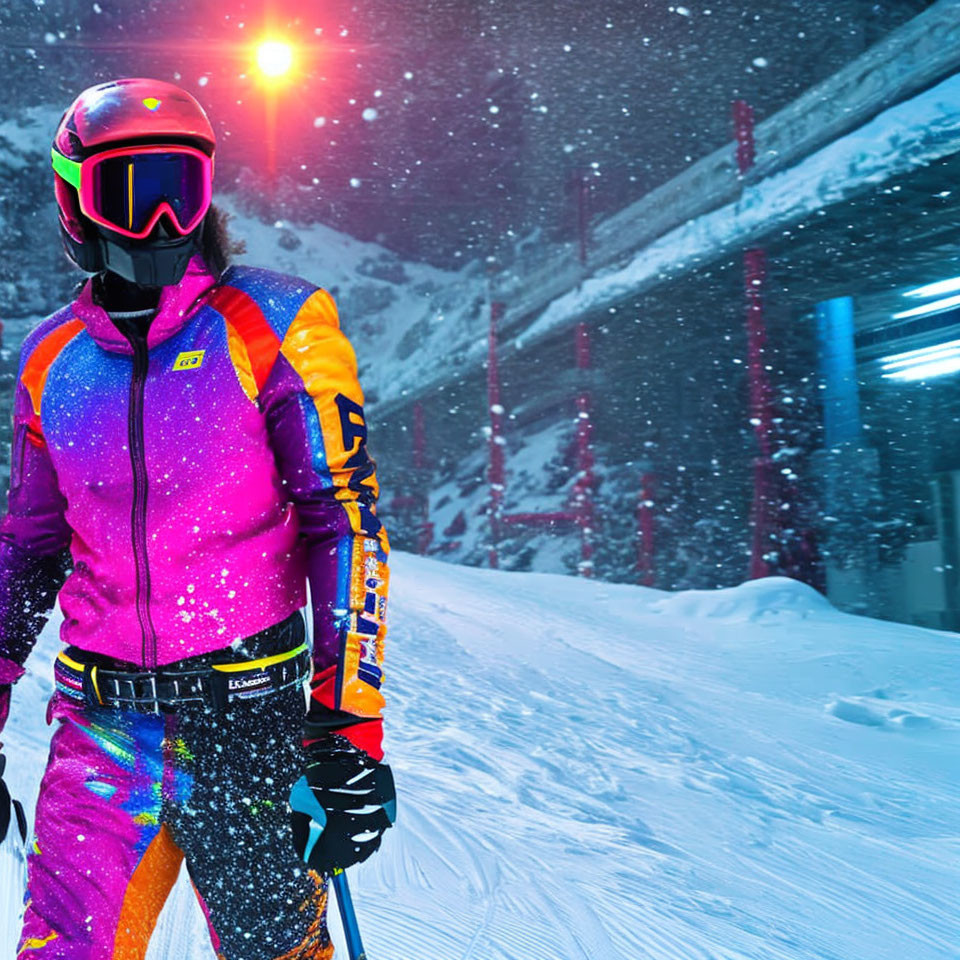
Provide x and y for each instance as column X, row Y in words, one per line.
column 128, row 189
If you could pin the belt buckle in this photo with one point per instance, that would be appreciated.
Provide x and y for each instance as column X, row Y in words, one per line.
column 128, row 702
column 142, row 689
column 179, row 688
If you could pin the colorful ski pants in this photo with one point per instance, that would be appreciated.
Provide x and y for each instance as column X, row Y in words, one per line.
column 127, row 798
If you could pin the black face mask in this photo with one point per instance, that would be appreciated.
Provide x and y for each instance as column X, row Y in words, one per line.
column 116, row 294
column 160, row 260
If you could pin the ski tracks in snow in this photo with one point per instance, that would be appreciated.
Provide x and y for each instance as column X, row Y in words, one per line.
column 590, row 771
column 671, row 783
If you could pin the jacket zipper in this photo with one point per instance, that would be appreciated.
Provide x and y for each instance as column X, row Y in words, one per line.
column 138, row 381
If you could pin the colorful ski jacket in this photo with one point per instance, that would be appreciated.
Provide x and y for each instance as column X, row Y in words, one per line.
column 193, row 481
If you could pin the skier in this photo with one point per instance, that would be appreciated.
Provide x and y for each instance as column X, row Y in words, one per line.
column 189, row 451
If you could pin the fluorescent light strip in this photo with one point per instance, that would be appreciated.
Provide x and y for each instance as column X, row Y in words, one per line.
column 934, row 306
column 926, row 358
column 921, row 352
column 935, row 289
column 926, row 371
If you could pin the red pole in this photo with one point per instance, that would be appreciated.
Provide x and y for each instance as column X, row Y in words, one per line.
column 497, row 473
column 764, row 521
column 743, row 121
column 583, row 490
column 761, row 400
column 583, row 347
column 645, row 530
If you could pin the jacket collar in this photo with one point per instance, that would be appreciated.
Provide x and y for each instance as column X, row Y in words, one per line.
column 178, row 304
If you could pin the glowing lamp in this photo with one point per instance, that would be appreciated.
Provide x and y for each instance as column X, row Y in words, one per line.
column 274, row 58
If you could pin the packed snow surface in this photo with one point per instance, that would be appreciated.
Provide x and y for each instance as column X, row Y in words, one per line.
column 602, row 771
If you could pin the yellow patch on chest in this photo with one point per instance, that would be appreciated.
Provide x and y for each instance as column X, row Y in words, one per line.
column 189, row 361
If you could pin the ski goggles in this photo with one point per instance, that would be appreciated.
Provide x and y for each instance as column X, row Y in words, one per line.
column 128, row 189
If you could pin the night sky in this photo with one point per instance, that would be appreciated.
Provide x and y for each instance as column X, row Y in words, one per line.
column 448, row 128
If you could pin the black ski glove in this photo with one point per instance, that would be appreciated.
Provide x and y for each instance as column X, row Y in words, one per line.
column 10, row 809
column 341, row 806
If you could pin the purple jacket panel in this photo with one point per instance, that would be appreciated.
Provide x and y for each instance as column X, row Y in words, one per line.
column 34, row 535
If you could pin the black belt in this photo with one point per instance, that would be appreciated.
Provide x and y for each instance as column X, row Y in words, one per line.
column 167, row 688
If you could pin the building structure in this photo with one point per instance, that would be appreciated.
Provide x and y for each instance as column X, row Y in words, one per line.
column 853, row 198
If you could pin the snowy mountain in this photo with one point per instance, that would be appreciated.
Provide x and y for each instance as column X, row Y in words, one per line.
column 385, row 303
column 591, row 771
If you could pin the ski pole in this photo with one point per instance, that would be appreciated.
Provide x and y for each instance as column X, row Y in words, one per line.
column 348, row 915
column 304, row 801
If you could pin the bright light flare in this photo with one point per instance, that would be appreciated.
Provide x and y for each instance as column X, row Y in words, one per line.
column 274, row 58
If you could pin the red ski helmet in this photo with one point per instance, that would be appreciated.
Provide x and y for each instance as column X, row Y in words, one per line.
column 128, row 113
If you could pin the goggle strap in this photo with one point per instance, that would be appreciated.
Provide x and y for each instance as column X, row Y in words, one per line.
column 66, row 168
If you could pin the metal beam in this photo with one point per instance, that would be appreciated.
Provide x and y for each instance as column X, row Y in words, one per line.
column 923, row 51
column 917, row 55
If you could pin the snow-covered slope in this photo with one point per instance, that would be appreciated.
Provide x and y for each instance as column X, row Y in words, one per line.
column 604, row 772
